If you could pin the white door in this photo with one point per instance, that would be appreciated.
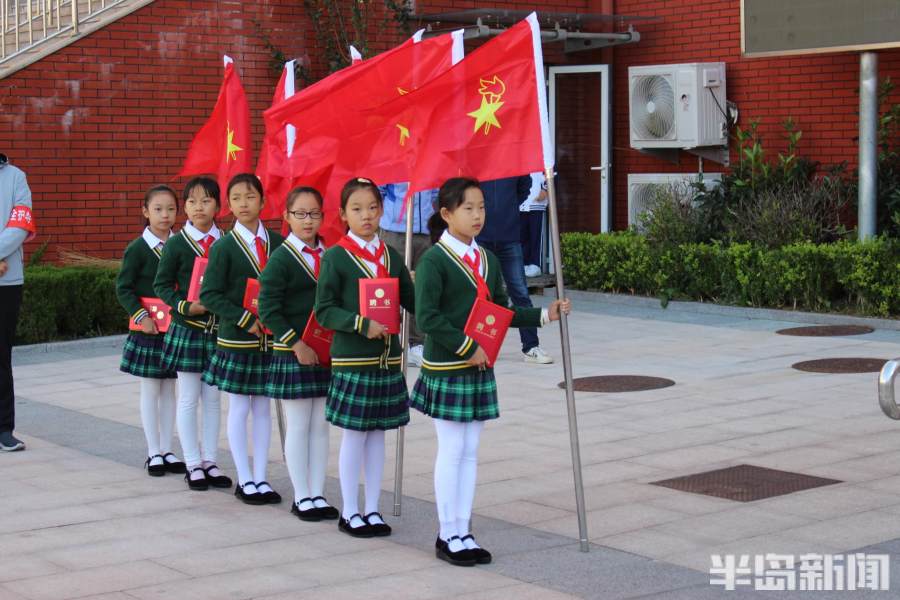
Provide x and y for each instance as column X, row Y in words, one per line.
column 579, row 124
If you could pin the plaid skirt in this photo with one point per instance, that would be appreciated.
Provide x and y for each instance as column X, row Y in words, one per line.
column 142, row 356
column 367, row 400
column 187, row 350
column 462, row 398
column 289, row 380
column 238, row 372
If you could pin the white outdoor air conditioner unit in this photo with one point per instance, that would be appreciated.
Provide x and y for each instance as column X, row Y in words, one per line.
column 677, row 106
column 644, row 187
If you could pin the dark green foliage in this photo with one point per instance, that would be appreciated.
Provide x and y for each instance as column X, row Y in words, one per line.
column 859, row 277
column 69, row 302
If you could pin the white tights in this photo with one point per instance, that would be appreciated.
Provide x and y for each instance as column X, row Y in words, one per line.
column 455, row 470
column 361, row 449
column 306, row 446
column 192, row 392
column 158, row 413
column 239, row 408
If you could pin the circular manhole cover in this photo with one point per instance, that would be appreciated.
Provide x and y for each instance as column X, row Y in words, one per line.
column 618, row 383
column 826, row 330
column 841, row 365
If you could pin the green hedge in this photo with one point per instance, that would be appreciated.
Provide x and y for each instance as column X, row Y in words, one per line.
column 859, row 277
column 69, row 302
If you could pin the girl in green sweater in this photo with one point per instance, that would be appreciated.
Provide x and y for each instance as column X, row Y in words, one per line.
column 456, row 386
column 368, row 393
column 143, row 351
column 295, row 375
column 240, row 364
column 190, row 341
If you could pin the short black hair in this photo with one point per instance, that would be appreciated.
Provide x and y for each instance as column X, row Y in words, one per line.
column 209, row 185
column 248, row 178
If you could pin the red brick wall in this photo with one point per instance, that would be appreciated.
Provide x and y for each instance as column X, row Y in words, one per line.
column 100, row 121
column 818, row 91
column 97, row 123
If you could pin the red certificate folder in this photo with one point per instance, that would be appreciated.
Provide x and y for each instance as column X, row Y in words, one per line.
column 379, row 300
column 319, row 339
column 159, row 312
column 193, row 294
column 487, row 325
column 251, row 299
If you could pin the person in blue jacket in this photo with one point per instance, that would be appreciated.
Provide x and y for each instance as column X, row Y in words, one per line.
column 16, row 226
column 502, row 236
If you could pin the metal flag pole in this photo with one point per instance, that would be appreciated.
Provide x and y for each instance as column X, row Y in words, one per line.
column 279, row 413
column 567, row 365
column 404, row 343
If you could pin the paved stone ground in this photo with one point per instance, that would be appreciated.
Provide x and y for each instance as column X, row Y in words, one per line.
column 82, row 519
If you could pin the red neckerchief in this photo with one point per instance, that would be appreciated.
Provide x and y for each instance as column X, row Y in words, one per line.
column 483, row 291
column 353, row 248
column 316, row 254
column 261, row 252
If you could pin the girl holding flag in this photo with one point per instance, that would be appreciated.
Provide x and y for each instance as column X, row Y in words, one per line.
column 368, row 393
column 240, row 364
column 190, row 341
column 286, row 299
column 457, row 387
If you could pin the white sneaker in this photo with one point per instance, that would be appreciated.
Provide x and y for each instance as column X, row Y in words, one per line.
column 415, row 355
column 532, row 270
column 537, row 355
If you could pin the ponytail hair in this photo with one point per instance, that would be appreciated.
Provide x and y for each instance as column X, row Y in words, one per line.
column 359, row 183
column 158, row 189
column 450, row 196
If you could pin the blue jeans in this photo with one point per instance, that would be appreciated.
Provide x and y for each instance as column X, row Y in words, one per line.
column 510, row 256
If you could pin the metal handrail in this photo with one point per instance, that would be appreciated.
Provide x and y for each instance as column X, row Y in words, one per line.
column 26, row 23
column 886, row 397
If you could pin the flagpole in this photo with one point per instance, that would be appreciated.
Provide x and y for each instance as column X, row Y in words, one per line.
column 279, row 413
column 567, row 366
column 404, row 343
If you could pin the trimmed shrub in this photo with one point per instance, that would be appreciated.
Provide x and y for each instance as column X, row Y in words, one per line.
column 62, row 303
column 859, row 277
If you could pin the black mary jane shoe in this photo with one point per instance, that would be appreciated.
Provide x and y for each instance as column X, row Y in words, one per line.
column 201, row 485
column 462, row 558
column 255, row 498
column 271, row 497
column 173, row 466
column 217, row 481
column 364, row 531
column 310, row 514
column 326, row 512
column 482, row 556
column 155, row 470
column 379, row 529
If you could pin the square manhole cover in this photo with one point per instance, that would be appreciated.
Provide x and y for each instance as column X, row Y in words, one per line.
column 745, row 483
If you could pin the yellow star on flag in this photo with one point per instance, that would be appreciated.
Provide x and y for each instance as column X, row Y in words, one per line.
column 232, row 149
column 404, row 134
column 486, row 115
column 401, row 91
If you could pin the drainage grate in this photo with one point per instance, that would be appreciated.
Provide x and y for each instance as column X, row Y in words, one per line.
column 612, row 384
column 826, row 330
column 841, row 365
column 745, row 483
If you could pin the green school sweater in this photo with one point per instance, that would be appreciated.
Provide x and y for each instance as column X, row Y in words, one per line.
column 135, row 279
column 445, row 293
column 287, row 296
column 231, row 264
column 173, row 279
column 337, row 308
